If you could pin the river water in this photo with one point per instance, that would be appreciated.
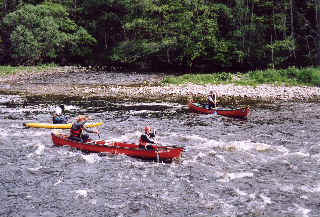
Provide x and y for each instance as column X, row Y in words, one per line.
column 267, row 165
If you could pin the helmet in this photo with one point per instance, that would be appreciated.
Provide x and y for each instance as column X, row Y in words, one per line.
column 147, row 129
column 62, row 107
column 213, row 93
column 58, row 111
column 82, row 118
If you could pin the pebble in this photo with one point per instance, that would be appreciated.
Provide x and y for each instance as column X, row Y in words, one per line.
column 261, row 92
column 156, row 90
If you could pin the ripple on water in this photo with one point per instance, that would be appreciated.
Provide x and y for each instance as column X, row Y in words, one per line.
column 265, row 166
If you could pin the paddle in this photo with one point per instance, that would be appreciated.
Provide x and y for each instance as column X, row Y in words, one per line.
column 98, row 133
column 215, row 100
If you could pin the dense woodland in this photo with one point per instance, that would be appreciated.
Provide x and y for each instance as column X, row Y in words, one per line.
column 190, row 35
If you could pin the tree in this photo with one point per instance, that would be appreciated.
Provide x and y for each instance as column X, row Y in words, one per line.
column 174, row 32
column 103, row 19
column 44, row 33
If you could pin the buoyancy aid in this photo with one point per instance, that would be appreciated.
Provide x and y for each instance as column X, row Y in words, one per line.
column 76, row 130
column 211, row 99
column 145, row 139
column 59, row 120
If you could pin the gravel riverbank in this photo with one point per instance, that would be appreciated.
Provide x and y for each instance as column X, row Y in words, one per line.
column 85, row 83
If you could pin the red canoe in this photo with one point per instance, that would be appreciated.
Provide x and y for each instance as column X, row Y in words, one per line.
column 230, row 112
column 159, row 153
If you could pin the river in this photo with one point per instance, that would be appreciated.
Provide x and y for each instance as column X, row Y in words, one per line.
column 267, row 165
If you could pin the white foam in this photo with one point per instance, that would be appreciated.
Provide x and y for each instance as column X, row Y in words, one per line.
column 35, row 169
column 144, row 111
column 227, row 177
column 174, row 105
column 266, row 200
column 282, row 149
column 239, row 175
column 286, row 187
column 298, row 154
column 91, row 158
column 311, row 189
column 82, row 193
column 316, row 157
column 239, row 192
column 244, row 146
column 59, row 181
column 301, row 211
column 39, row 150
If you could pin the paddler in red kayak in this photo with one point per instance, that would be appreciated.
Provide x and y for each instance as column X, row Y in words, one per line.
column 147, row 139
column 76, row 131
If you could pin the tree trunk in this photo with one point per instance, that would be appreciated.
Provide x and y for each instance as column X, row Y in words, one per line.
column 5, row 5
column 106, row 39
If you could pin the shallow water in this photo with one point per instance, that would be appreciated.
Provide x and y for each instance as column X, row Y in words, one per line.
column 267, row 165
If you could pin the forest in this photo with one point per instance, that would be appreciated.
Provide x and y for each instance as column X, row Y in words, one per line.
column 184, row 35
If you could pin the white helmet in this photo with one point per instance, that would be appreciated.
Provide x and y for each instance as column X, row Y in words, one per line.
column 58, row 111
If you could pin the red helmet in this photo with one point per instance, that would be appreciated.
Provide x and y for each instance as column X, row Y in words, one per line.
column 147, row 129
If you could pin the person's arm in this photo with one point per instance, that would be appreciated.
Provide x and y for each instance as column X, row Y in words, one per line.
column 153, row 134
column 90, row 131
column 210, row 99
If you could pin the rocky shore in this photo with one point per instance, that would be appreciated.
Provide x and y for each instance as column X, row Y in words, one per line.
column 76, row 82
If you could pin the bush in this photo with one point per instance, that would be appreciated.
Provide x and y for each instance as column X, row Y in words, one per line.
column 45, row 33
column 199, row 78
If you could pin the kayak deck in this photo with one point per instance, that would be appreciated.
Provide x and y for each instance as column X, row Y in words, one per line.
column 57, row 126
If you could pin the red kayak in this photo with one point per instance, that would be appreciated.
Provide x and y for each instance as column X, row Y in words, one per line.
column 230, row 112
column 158, row 153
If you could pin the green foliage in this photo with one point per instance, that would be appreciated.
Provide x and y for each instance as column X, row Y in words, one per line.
column 215, row 78
column 281, row 50
column 133, row 51
column 43, row 33
column 183, row 31
column 104, row 20
column 8, row 70
column 309, row 76
column 244, row 34
column 290, row 76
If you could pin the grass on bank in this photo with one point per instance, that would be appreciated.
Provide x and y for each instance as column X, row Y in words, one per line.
column 291, row 76
column 8, row 70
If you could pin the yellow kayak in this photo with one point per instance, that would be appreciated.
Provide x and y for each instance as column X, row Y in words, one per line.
column 58, row 126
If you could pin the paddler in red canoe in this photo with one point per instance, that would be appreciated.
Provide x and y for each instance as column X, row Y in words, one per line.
column 212, row 99
column 76, row 131
column 147, row 139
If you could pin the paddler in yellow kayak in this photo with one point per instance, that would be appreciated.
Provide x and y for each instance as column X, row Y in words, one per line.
column 76, row 131
column 58, row 117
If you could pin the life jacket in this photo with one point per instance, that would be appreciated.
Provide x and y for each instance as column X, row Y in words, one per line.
column 211, row 99
column 59, row 120
column 145, row 139
column 142, row 142
column 76, row 130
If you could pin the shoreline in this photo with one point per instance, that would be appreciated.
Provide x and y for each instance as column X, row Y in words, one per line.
column 37, row 84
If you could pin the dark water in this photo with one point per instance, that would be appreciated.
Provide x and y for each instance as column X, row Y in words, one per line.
column 267, row 165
